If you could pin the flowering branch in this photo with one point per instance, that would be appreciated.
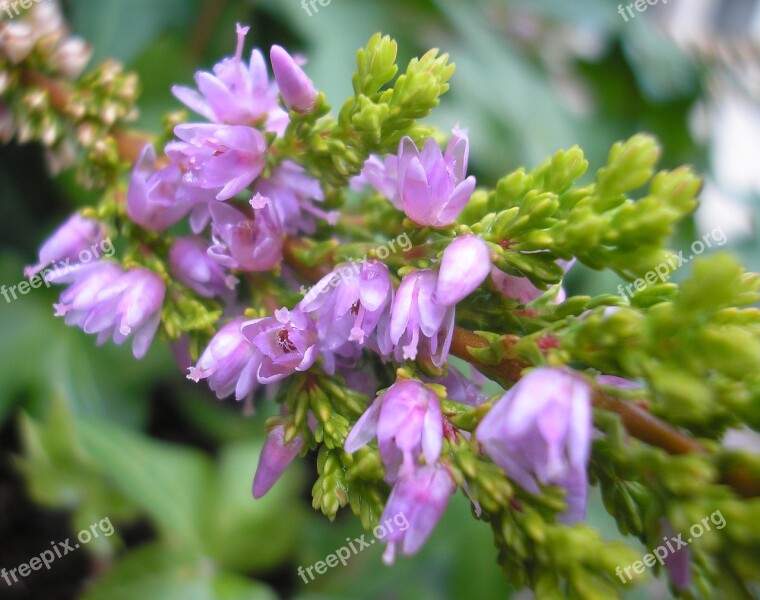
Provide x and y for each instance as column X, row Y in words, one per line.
column 268, row 191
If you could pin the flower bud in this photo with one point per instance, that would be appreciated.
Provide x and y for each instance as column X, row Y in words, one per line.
column 298, row 92
column 465, row 265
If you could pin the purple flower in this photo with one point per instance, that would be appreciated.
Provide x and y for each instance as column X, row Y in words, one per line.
column 223, row 158
column 618, row 382
column 298, row 92
column 275, row 457
column 236, row 94
column 433, row 187
column 288, row 342
column 416, row 317
column 465, row 265
column 105, row 300
column 460, row 388
column 540, row 432
column 230, row 363
column 191, row 265
column 381, row 174
column 407, row 421
column 421, row 498
column 678, row 563
column 157, row 198
column 522, row 289
column 76, row 235
column 247, row 243
column 348, row 304
column 292, row 192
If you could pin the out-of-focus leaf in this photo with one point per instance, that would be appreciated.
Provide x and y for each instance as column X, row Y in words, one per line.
column 121, row 29
column 60, row 473
column 169, row 482
column 158, row 572
column 246, row 534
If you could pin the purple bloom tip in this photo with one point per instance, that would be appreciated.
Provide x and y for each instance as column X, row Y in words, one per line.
column 274, row 459
column 298, row 92
column 465, row 265
column 540, row 432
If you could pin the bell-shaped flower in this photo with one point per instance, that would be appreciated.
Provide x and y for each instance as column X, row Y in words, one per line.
column 540, row 432
column 287, row 341
column 248, row 243
column 433, row 187
column 76, row 235
column 417, row 318
column 191, row 265
column 522, row 288
column 293, row 193
column 381, row 174
column 230, row 363
column 421, row 499
column 348, row 303
column 465, row 265
column 158, row 198
column 460, row 388
column 408, row 423
column 105, row 300
column 236, row 93
column 274, row 459
column 678, row 563
column 223, row 158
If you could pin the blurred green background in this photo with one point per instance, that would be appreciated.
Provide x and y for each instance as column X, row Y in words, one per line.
column 89, row 433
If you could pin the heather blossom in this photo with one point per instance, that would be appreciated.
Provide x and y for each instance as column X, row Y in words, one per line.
column 192, row 266
column 408, row 424
column 465, row 265
column 522, row 289
column 222, row 158
column 461, row 388
column 157, row 197
column 236, row 93
column 540, row 432
column 293, row 193
column 433, row 187
column 287, row 341
column 417, row 318
column 422, row 496
column 66, row 243
column 105, row 300
column 381, row 174
column 298, row 92
column 249, row 242
column 348, row 306
column 274, row 459
column 230, row 363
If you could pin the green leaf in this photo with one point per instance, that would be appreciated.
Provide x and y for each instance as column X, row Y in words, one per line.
column 158, row 572
column 236, row 523
column 170, row 483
